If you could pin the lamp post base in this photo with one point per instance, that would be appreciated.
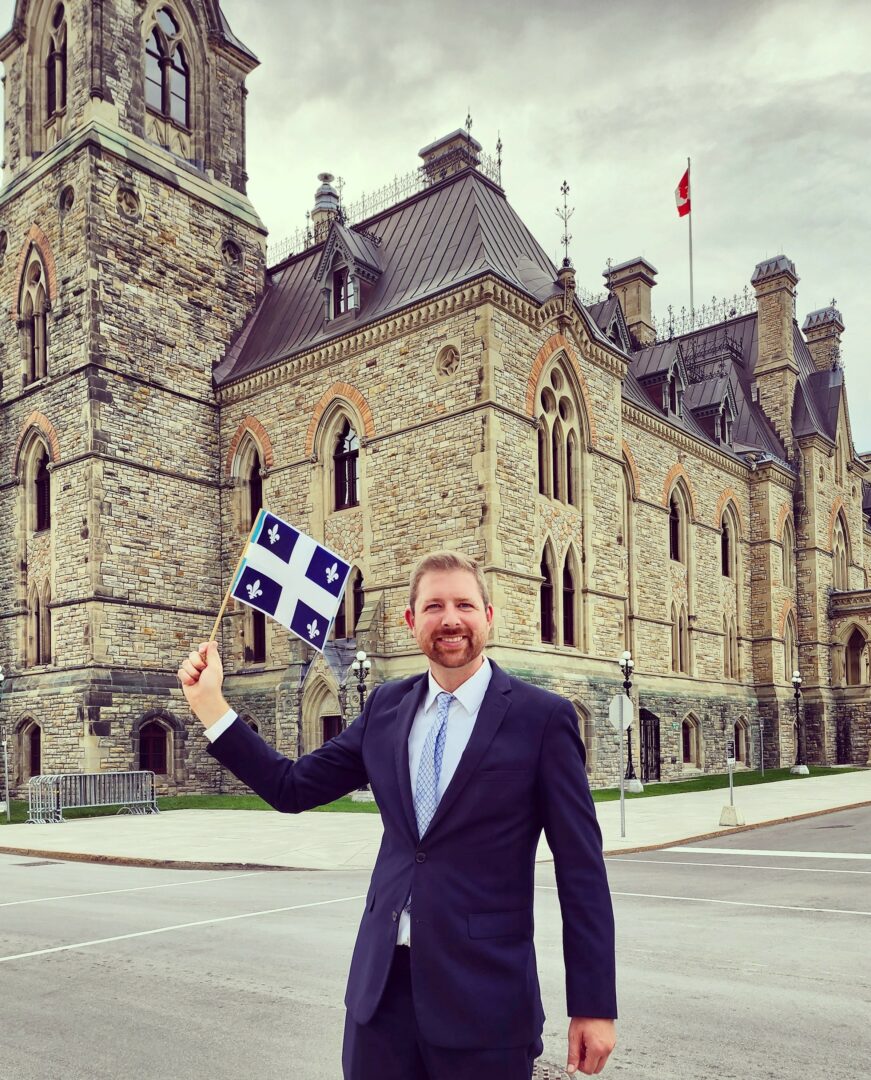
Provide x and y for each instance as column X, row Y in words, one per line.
column 800, row 770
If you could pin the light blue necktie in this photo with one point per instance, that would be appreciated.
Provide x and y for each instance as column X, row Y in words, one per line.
column 426, row 797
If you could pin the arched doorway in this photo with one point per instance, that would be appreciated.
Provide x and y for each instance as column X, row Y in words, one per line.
column 650, row 749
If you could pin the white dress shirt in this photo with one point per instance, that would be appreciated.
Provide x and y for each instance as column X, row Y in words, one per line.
column 461, row 720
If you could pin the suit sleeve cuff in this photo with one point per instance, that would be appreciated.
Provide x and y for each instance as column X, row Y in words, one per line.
column 216, row 730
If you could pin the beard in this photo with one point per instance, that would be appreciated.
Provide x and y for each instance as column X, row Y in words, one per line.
column 457, row 656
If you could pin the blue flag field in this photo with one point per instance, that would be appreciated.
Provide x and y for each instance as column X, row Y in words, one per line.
column 292, row 578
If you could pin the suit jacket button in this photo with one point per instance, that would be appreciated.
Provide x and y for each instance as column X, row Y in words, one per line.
column 420, row 856
column 394, row 915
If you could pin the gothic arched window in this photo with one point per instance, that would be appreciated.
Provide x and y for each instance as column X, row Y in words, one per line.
column 787, row 554
column 790, row 647
column 351, row 606
column 691, row 741
column 677, row 525
column 840, row 554
column 33, row 306
column 569, row 612
column 56, row 66
column 548, row 623
column 167, row 73
column 42, row 493
column 729, row 545
column 345, row 465
column 856, row 645
column 560, row 438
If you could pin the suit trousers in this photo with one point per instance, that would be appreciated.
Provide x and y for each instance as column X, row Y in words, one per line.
column 389, row 1047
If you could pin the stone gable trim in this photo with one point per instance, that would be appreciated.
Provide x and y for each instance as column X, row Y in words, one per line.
column 675, row 473
column 250, row 425
column 633, row 468
column 340, row 391
column 554, row 344
column 35, row 238
column 37, row 422
column 484, row 290
column 637, row 417
column 728, row 496
column 837, row 506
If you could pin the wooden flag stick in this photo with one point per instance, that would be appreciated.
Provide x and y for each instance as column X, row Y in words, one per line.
column 217, row 625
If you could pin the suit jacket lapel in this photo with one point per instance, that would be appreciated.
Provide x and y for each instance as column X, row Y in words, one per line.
column 404, row 719
column 490, row 716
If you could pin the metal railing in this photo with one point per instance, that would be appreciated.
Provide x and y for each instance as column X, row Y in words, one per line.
column 48, row 796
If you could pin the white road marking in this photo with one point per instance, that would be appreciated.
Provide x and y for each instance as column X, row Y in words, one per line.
column 735, row 866
column 178, row 926
column 728, row 903
column 772, row 854
column 137, row 888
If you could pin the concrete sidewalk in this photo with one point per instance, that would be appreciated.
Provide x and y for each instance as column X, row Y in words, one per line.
column 234, row 838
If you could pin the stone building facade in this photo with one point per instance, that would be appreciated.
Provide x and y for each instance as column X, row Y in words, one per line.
column 421, row 377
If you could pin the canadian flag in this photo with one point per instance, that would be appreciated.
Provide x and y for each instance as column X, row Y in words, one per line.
column 682, row 195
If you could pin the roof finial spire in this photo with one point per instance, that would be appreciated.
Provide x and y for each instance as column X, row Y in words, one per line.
column 609, row 262
column 499, row 158
column 564, row 214
column 469, row 120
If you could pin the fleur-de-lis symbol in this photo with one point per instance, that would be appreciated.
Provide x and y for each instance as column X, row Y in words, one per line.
column 254, row 589
column 313, row 629
column 332, row 573
column 273, row 534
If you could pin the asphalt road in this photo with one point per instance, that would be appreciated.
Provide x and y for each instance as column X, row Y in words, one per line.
column 737, row 958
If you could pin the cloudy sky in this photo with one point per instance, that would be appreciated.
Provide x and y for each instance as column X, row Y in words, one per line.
column 770, row 99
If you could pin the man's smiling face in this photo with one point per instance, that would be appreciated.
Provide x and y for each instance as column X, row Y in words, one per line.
column 450, row 621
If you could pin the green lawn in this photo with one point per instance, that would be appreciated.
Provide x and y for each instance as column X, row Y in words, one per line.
column 253, row 802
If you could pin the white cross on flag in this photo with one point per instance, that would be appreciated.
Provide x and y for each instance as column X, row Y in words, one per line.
column 292, row 578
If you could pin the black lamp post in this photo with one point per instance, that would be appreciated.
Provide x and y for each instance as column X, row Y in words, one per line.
column 627, row 666
column 800, row 767
column 361, row 668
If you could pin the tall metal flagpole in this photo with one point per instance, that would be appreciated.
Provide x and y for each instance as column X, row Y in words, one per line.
column 690, row 223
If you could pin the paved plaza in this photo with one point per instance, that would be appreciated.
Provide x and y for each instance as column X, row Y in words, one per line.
column 740, row 956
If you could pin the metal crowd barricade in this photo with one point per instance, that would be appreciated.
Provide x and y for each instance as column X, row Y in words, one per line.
column 48, row 796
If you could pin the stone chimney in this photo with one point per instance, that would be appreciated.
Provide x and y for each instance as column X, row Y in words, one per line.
column 822, row 330
column 631, row 282
column 326, row 209
column 776, row 370
column 449, row 155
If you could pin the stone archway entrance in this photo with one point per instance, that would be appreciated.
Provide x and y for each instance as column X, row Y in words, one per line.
column 321, row 715
column 650, row 749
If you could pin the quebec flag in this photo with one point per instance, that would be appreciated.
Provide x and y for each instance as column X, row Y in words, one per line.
column 291, row 577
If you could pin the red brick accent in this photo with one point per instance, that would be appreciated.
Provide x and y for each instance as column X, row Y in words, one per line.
column 633, row 468
column 45, row 427
column 344, row 392
column 36, row 238
column 678, row 471
column 258, row 431
column 729, row 496
column 837, row 505
column 559, row 343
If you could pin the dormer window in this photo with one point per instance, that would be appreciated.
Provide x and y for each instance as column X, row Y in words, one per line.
column 344, row 291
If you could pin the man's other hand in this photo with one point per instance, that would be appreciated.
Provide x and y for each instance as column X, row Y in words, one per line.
column 201, row 677
column 591, row 1041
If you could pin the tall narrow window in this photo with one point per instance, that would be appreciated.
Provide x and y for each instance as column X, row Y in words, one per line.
column 255, row 489
column 674, row 530
column 344, row 293
column 34, row 750
column 543, row 466
column 790, row 648
column 34, row 331
column 345, row 461
column 691, row 739
column 44, row 656
column 556, row 438
column 683, row 641
column 675, row 640
column 340, row 623
column 787, row 554
column 727, row 650
column 56, row 66
column 840, row 555
column 726, row 550
column 572, row 485
column 167, row 73
column 358, row 595
column 42, row 493
column 257, row 648
column 569, row 620
column 546, row 599
column 735, row 660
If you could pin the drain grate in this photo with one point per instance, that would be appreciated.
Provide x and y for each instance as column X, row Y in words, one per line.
column 39, row 862
column 546, row 1070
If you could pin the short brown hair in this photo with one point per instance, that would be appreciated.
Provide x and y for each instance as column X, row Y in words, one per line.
column 446, row 560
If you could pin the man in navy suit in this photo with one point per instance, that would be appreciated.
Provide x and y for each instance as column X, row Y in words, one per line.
column 468, row 766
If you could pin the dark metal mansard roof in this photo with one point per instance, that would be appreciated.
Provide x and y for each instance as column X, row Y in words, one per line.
column 463, row 227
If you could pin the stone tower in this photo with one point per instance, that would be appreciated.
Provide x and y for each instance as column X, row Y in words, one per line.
column 129, row 257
